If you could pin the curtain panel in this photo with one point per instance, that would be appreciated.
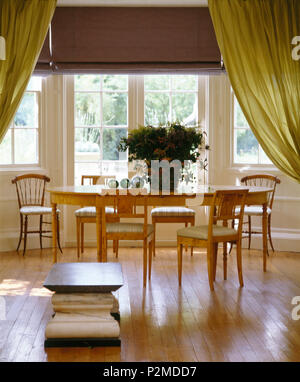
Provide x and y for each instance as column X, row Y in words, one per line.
column 255, row 39
column 24, row 25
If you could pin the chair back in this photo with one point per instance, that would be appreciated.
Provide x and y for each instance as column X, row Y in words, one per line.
column 228, row 205
column 92, row 180
column 263, row 180
column 131, row 206
column 31, row 189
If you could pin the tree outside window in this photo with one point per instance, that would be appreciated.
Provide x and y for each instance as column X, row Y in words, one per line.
column 21, row 142
column 101, row 120
column 171, row 98
column 246, row 148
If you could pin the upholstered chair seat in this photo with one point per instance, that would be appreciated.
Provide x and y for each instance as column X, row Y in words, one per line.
column 172, row 211
column 256, row 210
column 128, row 228
column 201, row 232
column 37, row 210
column 91, row 211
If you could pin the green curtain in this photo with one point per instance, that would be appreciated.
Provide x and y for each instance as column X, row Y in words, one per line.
column 255, row 39
column 24, row 25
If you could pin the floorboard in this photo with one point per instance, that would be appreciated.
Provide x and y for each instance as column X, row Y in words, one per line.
column 163, row 322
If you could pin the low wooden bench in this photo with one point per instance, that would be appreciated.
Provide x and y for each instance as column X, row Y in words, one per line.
column 86, row 312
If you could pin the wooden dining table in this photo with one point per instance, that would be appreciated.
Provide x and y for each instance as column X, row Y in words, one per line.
column 202, row 196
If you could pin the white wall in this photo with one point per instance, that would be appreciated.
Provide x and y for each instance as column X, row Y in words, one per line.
column 57, row 162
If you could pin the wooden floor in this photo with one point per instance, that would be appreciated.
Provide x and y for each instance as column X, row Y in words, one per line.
column 163, row 322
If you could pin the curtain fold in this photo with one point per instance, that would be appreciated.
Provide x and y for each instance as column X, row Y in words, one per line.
column 24, row 25
column 255, row 39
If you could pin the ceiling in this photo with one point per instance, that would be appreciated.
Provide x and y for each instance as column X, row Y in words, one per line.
column 132, row 3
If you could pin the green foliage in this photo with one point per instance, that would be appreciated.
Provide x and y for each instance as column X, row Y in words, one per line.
column 174, row 141
column 246, row 142
column 26, row 113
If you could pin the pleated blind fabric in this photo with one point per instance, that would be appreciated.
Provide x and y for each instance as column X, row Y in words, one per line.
column 132, row 39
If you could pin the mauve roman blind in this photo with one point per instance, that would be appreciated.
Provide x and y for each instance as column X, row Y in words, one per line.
column 43, row 65
column 133, row 39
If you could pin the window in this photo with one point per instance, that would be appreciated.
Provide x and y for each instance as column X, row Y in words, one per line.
column 101, row 120
column 24, row 130
column 101, row 115
column 246, row 148
column 171, row 98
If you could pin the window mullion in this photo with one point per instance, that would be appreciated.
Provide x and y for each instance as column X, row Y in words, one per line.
column 101, row 126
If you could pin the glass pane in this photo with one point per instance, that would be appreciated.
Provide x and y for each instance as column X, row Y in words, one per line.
column 157, row 108
column 87, row 145
column 157, row 82
column 115, row 82
column 26, row 146
column 27, row 114
column 118, row 169
column 115, row 109
column 111, row 140
column 185, row 108
column 35, row 84
column 246, row 147
column 87, row 82
column 239, row 118
column 87, row 109
column 184, row 82
column 85, row 169
column 5, row 149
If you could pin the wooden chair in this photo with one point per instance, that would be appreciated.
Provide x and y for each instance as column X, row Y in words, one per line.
column 31, row 197
column 88, row 214
column 260, row 180
column 226, row 206
column 128, row 208
column 172, row 215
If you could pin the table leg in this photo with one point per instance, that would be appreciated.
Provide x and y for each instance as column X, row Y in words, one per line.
column 225, row 224
column 264, row 235
column 54, row 232
column 99, row 234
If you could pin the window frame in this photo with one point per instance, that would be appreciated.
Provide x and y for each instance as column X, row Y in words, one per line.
column 170, row 92
column 11, row 167
column 101, row 163
column 259, row 166
column 135, row 110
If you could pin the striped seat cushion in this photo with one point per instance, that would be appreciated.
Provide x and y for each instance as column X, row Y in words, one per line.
column 172, row 211
column 128, row 228
column 255, row 210
column 36, row 210
column 91, row 211
column 201, row 232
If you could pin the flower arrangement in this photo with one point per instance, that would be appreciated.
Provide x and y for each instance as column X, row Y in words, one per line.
column 173, row 141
